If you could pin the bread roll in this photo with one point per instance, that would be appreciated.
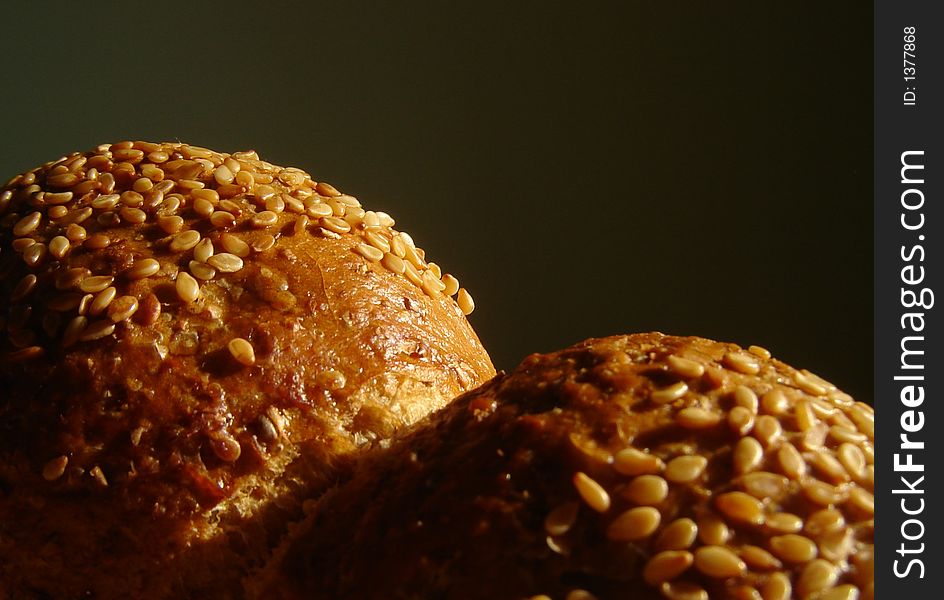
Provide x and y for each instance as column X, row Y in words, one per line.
column 643, row 466
column 192, row 343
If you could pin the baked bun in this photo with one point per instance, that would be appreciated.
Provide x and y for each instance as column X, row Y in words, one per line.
column 643, row 466
column 193, row 343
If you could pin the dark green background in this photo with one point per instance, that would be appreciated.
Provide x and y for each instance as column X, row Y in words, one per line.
column 696, row 168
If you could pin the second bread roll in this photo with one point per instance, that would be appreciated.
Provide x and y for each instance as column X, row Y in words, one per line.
column 643, row 466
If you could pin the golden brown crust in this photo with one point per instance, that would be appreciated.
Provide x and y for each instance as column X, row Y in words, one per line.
column 135, row 434
column 621, row 467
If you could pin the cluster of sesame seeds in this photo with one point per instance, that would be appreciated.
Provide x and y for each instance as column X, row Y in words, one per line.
column 783, row 509
column 187, row 215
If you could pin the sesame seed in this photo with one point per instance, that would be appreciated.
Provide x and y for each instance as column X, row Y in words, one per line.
column 242, row 351
column 131, row 198
column 827, row 466
column 740, row 507
column 222, row 219
column 682, row 590
column 814, row 437
column 24, row 288
column 97, row 330
column 56, row 213
column 393, row 263
column 190, row 184
column 121, row 309
column 466, row 305
column 757, row 558
column 203, row 207
column 431, row 284
column 53, row 198
column 188, row 290
column 335, row 224
column 318, row 210
column 805, row 417
column 203, row 250
column 225, row 262
column 96, row 283
column 824, row 521
column 634, row 524
column 712, row 530
column 697, row 418
column 670, row 393
column 234, row 245
column 223, row 175
column 836, row 546
column 791, row 462
column 646, row 490
column 27, row 224
column 806, row 383
column 678, row 535
column 21, row 244
column 718, row 561
column 185, row 240
column 777, row 587
column 73, row 330
column 369, row 252
column 301, row 224
column 75, row 233
column 143, row 268
column 592, row 492
column 630, row 461
column 762, row 484
column 274, row 203
column 101, row 301
column 747, row 455
column 451, row 284
column 774, row 402
column 263, row 243
column 293, row 204
column 398, row 246
column 201, row 270
column 561, row 519
column 817, row 575
column 767, row 429
column 55, row 468
column 742, row 363
column 34, row 254
column 852, row 459
column 824, row 494
column 264, row 219
column 684, row 367
column 378, row 241
column 846, row 591
column 782, row 522
column 326, row 189
column 793, row 548
column 685, row 469
column 666, row 566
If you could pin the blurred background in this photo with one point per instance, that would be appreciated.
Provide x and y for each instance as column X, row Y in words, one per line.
column 618, row 167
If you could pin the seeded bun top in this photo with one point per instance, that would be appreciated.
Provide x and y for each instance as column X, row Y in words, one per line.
column 178, row 322
column 641, row 466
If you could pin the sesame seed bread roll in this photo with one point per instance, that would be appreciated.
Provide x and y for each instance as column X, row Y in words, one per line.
column 193, row 343
column 642, row 466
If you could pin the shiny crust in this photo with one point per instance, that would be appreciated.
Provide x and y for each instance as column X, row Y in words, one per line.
column 184, row 465
column 457, row 508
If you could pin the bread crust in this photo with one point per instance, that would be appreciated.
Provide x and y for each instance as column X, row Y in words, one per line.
column 150, row 462
column 498, row 494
